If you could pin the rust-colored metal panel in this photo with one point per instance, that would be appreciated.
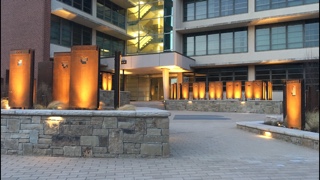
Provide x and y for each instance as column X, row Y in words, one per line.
column 84, row 77
column 257, row 89
column 249, row 90
column 21, row 78
column 195, row 90
column 293, row 102
column 218, row 87
column 61, row 77
column 211, row 90
column 185, row 91
column 237, row 90
column 270, row 90
column 229, row 90
column 202, row 90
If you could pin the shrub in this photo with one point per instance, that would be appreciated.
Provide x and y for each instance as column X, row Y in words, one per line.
column 57, row 105
column 4, row 103
column 127, row 107
column 38, row 106
column 312, row 121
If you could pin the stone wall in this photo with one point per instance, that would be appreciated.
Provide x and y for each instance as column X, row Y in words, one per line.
column 107, row 98
column 254, row 106
column 84, row 133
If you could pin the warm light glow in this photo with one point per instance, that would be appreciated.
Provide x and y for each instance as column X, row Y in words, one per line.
column 54, row 121
column 218, row 86
column 249, row 89
column 109, row 87
column 21, row 79
column 257, row 89
column 237, row 90
column 84, row 76
column 61, row 77
column 264, row 91
column 243, row 102
column 175, row 91
column 104, row 81
column 189, row 102
column 269, row 90
column 293, row 103
column 202, row 90
column 211, row 90
column 195, row 90
column 185, row 90
column 267, row 134
column 229, row 89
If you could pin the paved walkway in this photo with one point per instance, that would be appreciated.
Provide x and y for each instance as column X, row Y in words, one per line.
column 210, row 148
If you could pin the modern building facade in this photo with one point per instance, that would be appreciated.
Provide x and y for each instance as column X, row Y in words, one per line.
column 171, row 41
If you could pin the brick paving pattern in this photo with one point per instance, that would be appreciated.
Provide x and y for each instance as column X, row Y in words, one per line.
column 200, row 149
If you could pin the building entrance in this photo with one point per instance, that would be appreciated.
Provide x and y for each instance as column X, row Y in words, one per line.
column 156, row 89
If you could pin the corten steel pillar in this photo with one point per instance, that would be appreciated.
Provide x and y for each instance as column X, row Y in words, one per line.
column 218, row 88
column 211, row 91
column 248, row 90
column 61, row 77
column 21, row 78
column 202, row 90
column 195, row 90
column 185, row 91
column 237, row 89
column 117, row 60
column 294, row 104
column 257, row 89
column 84, row 77
column 229, row 90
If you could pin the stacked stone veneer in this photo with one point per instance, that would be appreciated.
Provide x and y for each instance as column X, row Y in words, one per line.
column 107, row 98
column 254, row 106
column 79, row 133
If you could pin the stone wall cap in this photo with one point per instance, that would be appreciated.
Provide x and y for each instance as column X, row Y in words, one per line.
column 282, row 130
column 139, row 112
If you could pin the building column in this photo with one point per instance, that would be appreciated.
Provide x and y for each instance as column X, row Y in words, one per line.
column 165, row 80
column 179, row 81
column 251, row 73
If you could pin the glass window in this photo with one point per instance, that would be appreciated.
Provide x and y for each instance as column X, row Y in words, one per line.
column 108, row 44
column 226, row 42
column 240, row 6
column 213, row 44
column 278, row 4
column 83, row 5
column 213, row 8
column 278, row 37
column 311, row 34
column 295, row 36
column 201, row 45
column 263, row 39
column 240, row 41
column 110, row 12
column 190, row 46
column 295, row 2
column 66, row 33
column 262, row 5
column 190, row 11
column 201, row 9
column 226, row 7
column 55, row 30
